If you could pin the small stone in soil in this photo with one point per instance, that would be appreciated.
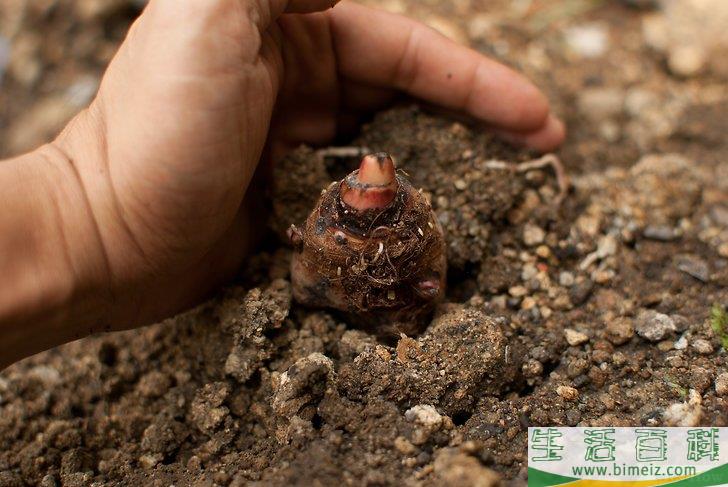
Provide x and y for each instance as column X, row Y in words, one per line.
column 566, row 279
column 687, row 413
column 533, row 235
column 721, row 384
column 424, row 415
column 654, row 326
column 575, row 338
column 693, row 266
column 703, row 347
column 568, row 393
column 427, row 420
column 723, row 250
column 581, row 291
column 620, row 330
column 661, row 233
column 588, row 40
column 681, row 343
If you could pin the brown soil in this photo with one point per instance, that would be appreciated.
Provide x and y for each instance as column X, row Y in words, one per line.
column 593, row 310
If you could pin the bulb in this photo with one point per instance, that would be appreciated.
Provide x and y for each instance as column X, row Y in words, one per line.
column 372, row 248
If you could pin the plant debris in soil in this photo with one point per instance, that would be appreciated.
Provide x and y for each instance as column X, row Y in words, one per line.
column 605, row 307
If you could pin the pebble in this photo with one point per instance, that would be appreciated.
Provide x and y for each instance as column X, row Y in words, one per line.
column 533, row 235
column 723, row 250
column 518, row 291
column 532, row 368
column 620, row 330
column 702, row 346
column 654, row 326
column 639, row 100
column 607, row 246
column 581, row 291
column 686, row 61
column 460, row 184
column 600, row 103
column 528, row 303
column 588, row 40
column 566, row 279
column 603, row 276
column 481, row 25
column 575, row 338
column 694, row 266
column 610, row 130
column 424, row 415
column 685, row 414
column 546, row 312
column 148, row 462
column 428, row 420
column 662, row 233
column 681, row 343
column 529, row 272
column 568, row 393
column 543, row 251
column 721, row 384
column 588, row 225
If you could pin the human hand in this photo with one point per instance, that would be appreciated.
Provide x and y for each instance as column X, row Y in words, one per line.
column 202, row 90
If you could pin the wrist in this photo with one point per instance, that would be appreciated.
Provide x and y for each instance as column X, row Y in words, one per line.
column 56, row 280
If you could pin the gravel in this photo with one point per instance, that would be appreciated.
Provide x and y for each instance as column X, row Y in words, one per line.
column 654, row 326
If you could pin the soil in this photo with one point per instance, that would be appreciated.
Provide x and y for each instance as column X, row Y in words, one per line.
column 588, row 309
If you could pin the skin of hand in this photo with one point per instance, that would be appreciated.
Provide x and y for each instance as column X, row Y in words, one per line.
column 148, row 200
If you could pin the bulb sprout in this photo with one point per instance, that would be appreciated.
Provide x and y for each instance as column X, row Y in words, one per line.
column 373, row 186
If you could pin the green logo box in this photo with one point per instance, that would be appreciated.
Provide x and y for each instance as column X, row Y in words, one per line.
column 621, row 457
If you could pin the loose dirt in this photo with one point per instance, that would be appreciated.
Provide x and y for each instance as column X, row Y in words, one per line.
column 592, row 309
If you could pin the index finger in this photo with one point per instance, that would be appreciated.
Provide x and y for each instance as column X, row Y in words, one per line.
column 389, row 50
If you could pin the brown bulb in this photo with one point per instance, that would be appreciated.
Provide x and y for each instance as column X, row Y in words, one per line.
column 372, row 248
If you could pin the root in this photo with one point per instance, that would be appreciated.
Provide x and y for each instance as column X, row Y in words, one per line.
column 549, row 160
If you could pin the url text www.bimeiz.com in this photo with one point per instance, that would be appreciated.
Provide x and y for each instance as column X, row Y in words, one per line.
column 625, row 470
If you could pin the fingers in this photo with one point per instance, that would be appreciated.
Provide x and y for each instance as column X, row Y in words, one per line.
column 545, row 139
column 388, row 50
